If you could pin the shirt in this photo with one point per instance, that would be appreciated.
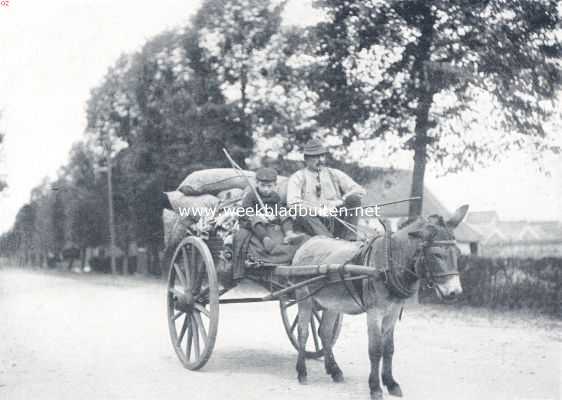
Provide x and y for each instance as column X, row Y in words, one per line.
column 251, row 201
column 333, row 185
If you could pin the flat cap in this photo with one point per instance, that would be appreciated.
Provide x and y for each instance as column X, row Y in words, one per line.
column 266, row 174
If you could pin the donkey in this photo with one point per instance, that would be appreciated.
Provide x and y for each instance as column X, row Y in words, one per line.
column 425, row 249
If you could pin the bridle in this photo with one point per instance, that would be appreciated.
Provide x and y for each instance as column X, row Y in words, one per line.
column 425, row 272
column 418, row 268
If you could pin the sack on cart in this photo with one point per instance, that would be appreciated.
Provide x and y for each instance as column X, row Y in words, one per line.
column 215, row 180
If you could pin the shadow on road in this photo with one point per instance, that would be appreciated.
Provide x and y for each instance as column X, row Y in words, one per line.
column 252, row 361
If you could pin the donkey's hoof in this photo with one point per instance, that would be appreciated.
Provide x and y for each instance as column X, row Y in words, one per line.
column 377, row 395
column 395, row 390
column 302, row 379
column 338, row 377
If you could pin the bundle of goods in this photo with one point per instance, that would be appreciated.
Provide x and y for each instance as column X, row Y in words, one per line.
column 202, row 193
column 213, row 181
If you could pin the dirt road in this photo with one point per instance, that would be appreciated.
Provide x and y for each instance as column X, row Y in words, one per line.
column 92, row 337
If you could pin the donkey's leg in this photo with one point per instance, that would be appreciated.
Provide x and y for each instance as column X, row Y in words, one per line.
column 326, row 331
column 374, row 323
column 304, row 317
column 387, row 353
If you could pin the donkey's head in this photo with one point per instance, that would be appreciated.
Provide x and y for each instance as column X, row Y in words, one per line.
column 440, row 253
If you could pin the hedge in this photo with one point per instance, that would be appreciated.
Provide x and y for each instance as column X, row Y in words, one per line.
column 509, row 283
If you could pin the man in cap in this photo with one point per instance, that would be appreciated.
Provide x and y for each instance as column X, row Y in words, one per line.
column 317, row 188
column 260, row 225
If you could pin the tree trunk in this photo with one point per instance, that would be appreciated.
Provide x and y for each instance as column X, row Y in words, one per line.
column 425, row 100
column 156, row 260
column 126, row 263
column 83, row 258
column 420, row 157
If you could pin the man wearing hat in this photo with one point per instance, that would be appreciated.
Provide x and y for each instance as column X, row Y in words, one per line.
column 317, row 187
column 260, row 225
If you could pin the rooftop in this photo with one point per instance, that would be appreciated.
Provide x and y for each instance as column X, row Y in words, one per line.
column 392, row 185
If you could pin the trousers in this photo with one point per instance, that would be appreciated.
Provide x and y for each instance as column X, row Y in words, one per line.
column 329, row 226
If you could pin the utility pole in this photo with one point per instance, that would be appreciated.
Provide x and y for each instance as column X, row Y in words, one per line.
column 110, row 206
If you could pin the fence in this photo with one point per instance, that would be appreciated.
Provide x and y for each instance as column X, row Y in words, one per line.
column 509, row 283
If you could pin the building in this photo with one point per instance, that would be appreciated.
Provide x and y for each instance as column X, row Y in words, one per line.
column 392, row 185
column 529, row 239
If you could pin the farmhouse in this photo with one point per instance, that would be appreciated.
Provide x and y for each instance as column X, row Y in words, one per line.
column 529, row 239
column 391, row 185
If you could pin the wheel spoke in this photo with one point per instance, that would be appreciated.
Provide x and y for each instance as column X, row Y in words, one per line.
column 178, row 314
column 179, row 273
column 202, row 309
column 318, row 317
column 192, row 255
column 199, row 322
column 182, row 332
column 189, row 339
column 294, row 325
column 188, row 286
column 195, row 340
column 194, row 270
column 314, row 334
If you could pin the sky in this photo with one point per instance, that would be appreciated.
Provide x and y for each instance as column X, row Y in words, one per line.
column 53, row 53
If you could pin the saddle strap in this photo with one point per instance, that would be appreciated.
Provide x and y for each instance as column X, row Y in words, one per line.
column 357, row 298
column 392, row 280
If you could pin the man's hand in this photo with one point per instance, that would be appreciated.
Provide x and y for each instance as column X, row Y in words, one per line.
column 335, row 203
column 267, row 214
column 327, row 211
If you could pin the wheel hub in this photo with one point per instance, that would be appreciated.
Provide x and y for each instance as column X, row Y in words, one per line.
column 184, row 302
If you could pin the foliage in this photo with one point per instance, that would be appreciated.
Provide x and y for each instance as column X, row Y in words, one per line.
column 419, row 72
column 424, row 71
column 257, row 62
column 168, row 104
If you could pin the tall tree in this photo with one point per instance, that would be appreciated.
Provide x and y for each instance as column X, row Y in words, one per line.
column 172, row 118
column 24, row 227
column 434, row 71
column 244, row 43
column 85, row 199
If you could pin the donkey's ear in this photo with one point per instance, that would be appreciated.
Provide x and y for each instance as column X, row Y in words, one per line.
column 457, row 217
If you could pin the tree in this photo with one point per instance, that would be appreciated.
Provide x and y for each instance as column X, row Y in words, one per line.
column 58, row 220
column 86, row 203
column 166, row 103
column 390, row 69
column 232, row 36
column 166, row 114
column 24, row 228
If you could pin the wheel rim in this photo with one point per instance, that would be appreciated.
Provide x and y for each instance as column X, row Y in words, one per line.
column 289, row 314
column 193, row 302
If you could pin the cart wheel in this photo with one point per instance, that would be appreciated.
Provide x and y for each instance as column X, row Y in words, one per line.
column 193, row 302
column 289, row 314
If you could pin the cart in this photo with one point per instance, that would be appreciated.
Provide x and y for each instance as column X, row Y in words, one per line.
column 194, row 293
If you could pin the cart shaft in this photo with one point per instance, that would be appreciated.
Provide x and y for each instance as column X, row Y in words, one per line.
column 323, row 269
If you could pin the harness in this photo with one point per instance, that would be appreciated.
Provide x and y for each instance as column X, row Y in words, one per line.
column 392, row 273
